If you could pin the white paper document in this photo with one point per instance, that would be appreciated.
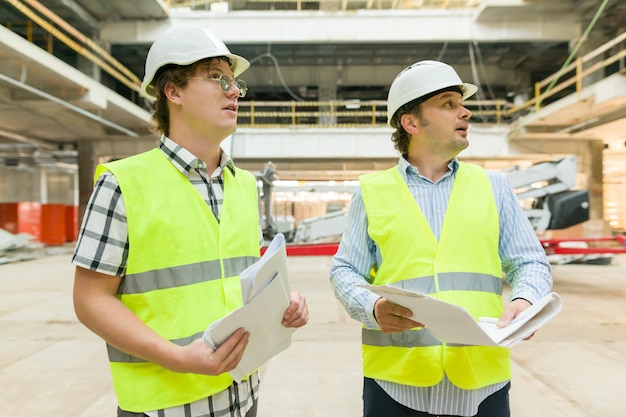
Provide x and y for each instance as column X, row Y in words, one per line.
column 453, row 324
column 266, row 296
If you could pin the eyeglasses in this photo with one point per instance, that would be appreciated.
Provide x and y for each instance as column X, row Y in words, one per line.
column 225, row 82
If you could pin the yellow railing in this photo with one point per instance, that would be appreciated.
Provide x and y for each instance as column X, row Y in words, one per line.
column 77, row 41
column 343, row 113
column 575, row 75
column 608, row 58
column 25, row 29
column 603, row 61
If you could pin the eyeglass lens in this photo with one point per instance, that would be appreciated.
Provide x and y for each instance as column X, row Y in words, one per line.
column 226, row 82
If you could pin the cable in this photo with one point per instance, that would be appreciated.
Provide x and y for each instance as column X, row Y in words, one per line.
column 269, row 55
column 569, row 59
column 475, row 77
column 443, row 50
column 481, row 67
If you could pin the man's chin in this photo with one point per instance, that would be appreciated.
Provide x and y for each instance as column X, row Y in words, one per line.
column 462, row 143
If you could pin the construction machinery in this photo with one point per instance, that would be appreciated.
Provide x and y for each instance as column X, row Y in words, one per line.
column 547, row 193
column 546, row 190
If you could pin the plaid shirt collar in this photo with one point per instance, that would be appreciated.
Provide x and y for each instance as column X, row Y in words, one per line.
column 185, row 161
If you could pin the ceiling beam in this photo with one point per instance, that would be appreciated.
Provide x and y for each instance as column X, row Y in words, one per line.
column 395, row 26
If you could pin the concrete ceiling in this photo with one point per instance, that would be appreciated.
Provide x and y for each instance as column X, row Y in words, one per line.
column 83, row 111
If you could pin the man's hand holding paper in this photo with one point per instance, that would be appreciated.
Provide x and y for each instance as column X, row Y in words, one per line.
column 453, row 324
column 297, row 314
column 270, row 313
column 393, row 318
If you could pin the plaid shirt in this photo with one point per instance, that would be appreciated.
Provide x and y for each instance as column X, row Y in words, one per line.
column 103, row 247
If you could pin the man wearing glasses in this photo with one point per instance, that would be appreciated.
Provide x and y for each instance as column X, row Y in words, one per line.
column 165, row 236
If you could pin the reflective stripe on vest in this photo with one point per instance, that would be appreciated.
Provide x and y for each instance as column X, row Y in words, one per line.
column 182, row 272
column 183, row 275
column 462, row 268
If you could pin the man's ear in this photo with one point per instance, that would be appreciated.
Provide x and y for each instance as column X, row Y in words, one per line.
column 409, row 123
column 172, row 92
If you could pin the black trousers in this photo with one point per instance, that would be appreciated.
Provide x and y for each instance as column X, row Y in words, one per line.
column 377, row 403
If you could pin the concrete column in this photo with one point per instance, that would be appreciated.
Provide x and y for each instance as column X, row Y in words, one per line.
column 42, row 183
column 594, row 180
column 327, row 92
column 86, row 167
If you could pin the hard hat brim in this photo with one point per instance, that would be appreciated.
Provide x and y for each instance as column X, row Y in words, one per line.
column 468, row 90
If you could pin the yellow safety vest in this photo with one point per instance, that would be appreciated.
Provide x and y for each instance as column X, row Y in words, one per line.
column 182, row 272
column 462, row 268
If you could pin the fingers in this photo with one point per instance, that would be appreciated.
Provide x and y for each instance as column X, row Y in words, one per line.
column 531, row 335
column 398, row 310
column 393, row 318
column 198, row 357
column 297, row 314
column 512, row 310
column 397, row 324
column 385, row 307
column 229, row 354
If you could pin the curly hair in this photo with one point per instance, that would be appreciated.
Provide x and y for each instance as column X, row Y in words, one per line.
column 179, row 75
column 400, row 137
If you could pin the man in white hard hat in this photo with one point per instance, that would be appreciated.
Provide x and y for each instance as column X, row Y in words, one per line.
column 441, row 227
column 165, row 236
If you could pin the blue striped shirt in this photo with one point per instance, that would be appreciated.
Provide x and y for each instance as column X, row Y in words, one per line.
column 524, row 263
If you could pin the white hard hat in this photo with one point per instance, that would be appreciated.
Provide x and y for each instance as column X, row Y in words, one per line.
column 184, row 45
column 421, row 79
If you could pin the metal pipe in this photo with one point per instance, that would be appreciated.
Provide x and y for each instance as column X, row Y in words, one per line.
column 23, row 139
column 81, row 13
column 68, row 105
column 72, row 31
column 73, row 45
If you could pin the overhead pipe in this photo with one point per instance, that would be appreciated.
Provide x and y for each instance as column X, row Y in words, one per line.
column 23, row 139
column 81, row 13
column 86, row 40
column 74, row 45
column 68, row 105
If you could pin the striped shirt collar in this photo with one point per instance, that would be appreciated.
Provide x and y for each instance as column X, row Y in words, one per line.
column 407, row 169
column 185, row 161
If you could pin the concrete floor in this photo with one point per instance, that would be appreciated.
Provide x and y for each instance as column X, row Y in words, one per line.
column 52, row 366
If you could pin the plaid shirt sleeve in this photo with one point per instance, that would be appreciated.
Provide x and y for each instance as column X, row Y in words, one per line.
column 103, row 239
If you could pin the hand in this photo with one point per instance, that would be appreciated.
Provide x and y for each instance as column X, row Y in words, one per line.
column 297, row 314
column 198, row 358
column 513, row 310
column 393, row 318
